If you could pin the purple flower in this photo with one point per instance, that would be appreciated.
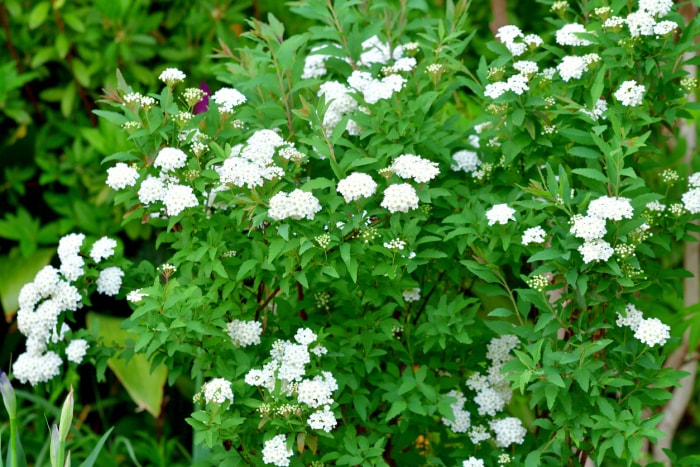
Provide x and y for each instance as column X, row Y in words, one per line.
column 202, row 106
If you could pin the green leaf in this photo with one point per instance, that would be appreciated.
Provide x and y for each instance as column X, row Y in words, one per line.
column 38, row 14
column 396, row 409
column 92, row 458
column 592, row 174
column 68, row 99
column 16, row 272
column 245, row 268
column 62, row 45
column 533, row 459
column 501, row 313
column 113, row 117
column 145, row 386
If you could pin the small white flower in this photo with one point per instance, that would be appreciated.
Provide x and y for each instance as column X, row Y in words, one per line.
column 170, row 159
column 135, row 296
column 218, row 390
column 171, row 76
column 410, row 166
column 652, row 331
column 534, row 235
column 76, row 350
column 121, row 176
column 109, row 281
column 227, row 99
column 275, row 451
column 630, row 94
column 567, row 35
column 400, row 198
column 411, row 295
column 357, row 185
column 500, row 213
column 305, row 336
column 691, row 200
column 473, row 462
column 103, row 249
column 244, row 333
column 177, row 198
column 508, row 430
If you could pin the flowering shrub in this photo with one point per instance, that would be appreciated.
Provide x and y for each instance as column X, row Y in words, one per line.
column 433, row 288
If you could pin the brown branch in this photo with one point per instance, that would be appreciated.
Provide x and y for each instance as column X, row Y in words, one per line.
column 18, row 63
column 500, row 15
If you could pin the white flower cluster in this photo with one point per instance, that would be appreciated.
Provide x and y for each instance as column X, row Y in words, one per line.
column 573, row 66
column 218, row 391
column 592, row 227
column 598, row 111
column 526, row 67
column 109, row 281
column 169, row 159
column 227, row 99
column 656, row 8
column 251, row 164
column 244, row 333
column 509, row 430
column 315, row 63
column 411, row 295
column 630, row 94
column 609, row 207
column 517, row 83
column 410, row 166
column 139, row 99
column 357, row 185
column 462, row 418
column 534, row 235
column 76, row 350
column 284, row 377
column 465, row 161
column 164, row 188
column 643, row 21
column 296, row 205
column 567, row 35
column 372, row 89
column 691, row 198
column 500, row 213
column 42, row 301
column 473, row 462
column 492, row 394
column 275, row 451
column 650, row 331
column 102, row 249
column 121, row 176
column 171, row 76
column 340, row 103
column 376, row 51
column 401, row 197
column 515, row 41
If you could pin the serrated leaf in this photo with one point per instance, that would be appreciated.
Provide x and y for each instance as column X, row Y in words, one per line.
column 592, row 174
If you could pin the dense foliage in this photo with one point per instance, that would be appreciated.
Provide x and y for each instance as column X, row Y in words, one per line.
column 358, row 245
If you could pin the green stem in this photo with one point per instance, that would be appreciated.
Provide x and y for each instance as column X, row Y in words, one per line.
column 14, row 461
column 199, row 452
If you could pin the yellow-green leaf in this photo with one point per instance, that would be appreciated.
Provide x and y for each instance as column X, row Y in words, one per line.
column 17, row 271
column 143, row 385
column 38, row 14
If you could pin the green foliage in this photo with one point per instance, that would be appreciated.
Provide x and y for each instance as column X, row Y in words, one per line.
column 489, row 309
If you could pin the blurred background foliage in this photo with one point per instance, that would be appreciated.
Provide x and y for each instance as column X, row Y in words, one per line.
column 58, row 57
